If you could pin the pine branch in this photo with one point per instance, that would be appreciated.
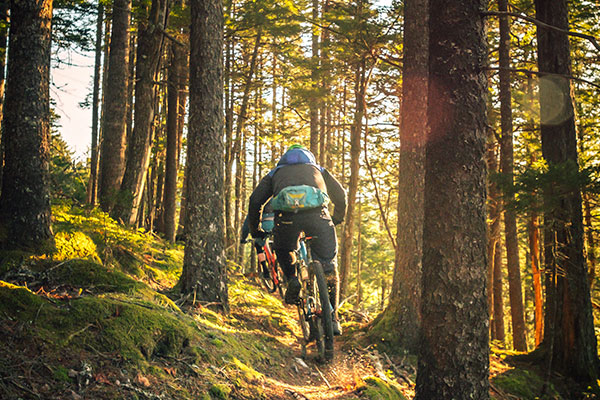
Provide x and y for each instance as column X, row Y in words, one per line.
column 541, row 24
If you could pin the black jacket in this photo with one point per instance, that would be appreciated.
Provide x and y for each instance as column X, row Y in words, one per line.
column 293, row 175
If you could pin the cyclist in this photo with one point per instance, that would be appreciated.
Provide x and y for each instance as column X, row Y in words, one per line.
column 297, row 179
column 266, row 224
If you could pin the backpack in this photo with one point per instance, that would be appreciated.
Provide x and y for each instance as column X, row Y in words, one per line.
column 302, row 197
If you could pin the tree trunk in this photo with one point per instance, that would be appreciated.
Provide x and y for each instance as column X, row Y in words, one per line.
column 174, row 93
column 112, row 160
column 229, row 232
column 534, row 250
column 454, row 354
column 591, row 240
column 506, row 161
column 4, row 23
column 405, row 297
column 204, row 268
column 149, row 51
column 25, row 213
column 569, row 329
column 348, row 233
column 93, row 182
column 313, row 104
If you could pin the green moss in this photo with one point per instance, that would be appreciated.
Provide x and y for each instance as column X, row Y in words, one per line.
column 523, row 384
column 220, row 391
column 377, row 389
column 74, row 245
column 19, row 302
column 60, row 373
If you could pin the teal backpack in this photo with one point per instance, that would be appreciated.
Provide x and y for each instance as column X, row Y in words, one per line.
column 302, row 197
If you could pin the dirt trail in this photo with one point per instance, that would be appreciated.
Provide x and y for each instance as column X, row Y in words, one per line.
column 342, row 378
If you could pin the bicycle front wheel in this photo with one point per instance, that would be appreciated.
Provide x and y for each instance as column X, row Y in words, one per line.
column 325, row 319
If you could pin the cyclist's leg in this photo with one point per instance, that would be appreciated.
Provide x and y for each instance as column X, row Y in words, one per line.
column 324, row 249
column 285, row 242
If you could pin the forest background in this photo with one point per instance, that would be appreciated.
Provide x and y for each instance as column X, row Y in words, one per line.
column 330, row 75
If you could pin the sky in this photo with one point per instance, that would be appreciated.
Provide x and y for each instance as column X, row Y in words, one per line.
column 70, row 86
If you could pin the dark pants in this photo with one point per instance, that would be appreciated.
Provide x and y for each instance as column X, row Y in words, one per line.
column 323, row 245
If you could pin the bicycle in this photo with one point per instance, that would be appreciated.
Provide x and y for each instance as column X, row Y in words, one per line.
column 268, row 262
column 314, row 308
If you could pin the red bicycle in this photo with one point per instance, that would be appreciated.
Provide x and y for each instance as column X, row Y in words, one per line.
column 271, row 273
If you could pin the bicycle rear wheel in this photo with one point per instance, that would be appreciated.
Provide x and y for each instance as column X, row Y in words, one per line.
column 325, row 321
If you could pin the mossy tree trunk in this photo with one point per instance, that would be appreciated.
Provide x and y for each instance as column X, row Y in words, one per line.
column 454, row 354
column 568, row 328
column 25, row 214
column 204, row 269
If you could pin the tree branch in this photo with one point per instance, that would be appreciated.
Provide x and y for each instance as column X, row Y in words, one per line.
column 528, row 71
column 541, row 24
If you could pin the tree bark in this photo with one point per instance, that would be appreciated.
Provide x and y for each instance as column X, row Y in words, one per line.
column 454, row 354
column 175, row 78
column 506, row 161
column 93, row 182
column 313, row 104
column 4, row 23
column 204, row 269
column 355, row 133
column 405, row 296
column 112, row 160
column 149, row 51
column 25, row 213
column 569, row 329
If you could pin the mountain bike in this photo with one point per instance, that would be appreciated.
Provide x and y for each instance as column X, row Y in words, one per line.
column 271, row 274
column 314, row 308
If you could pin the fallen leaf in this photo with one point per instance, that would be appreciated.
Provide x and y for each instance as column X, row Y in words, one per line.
column 142, row 380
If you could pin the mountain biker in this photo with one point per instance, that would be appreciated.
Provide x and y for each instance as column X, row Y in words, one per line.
column 297, row 170
column 266, row 224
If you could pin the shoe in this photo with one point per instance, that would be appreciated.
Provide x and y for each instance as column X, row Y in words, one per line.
column 293, row 289
column 337, row 327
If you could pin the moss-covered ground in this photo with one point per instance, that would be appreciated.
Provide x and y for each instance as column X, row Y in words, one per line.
column 100, row 318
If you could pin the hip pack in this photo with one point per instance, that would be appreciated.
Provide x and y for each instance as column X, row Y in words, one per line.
column 302, row 197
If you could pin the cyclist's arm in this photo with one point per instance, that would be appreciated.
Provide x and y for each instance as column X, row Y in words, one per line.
column 337, row 194
column 259, row 197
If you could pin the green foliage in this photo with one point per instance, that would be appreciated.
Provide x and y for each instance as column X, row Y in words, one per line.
column 67, row 177
column 557, row 181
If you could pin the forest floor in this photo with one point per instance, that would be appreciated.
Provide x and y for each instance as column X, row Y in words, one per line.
column 101, row 319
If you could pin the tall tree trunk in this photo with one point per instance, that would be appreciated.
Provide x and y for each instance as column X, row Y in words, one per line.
column 204, row 268
column 149, row 51
column 534, row 250
column 112, row 160
column 25, row 213
column 404, row 309
column 4, row 23
column 569, row 328
column 313, row 105
column 506, row 161
column 495, row 250
column 174, row 93
column 591, row 239
column 229, row 53
column 355, row 133
column 454, row 351
column 93, row 182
